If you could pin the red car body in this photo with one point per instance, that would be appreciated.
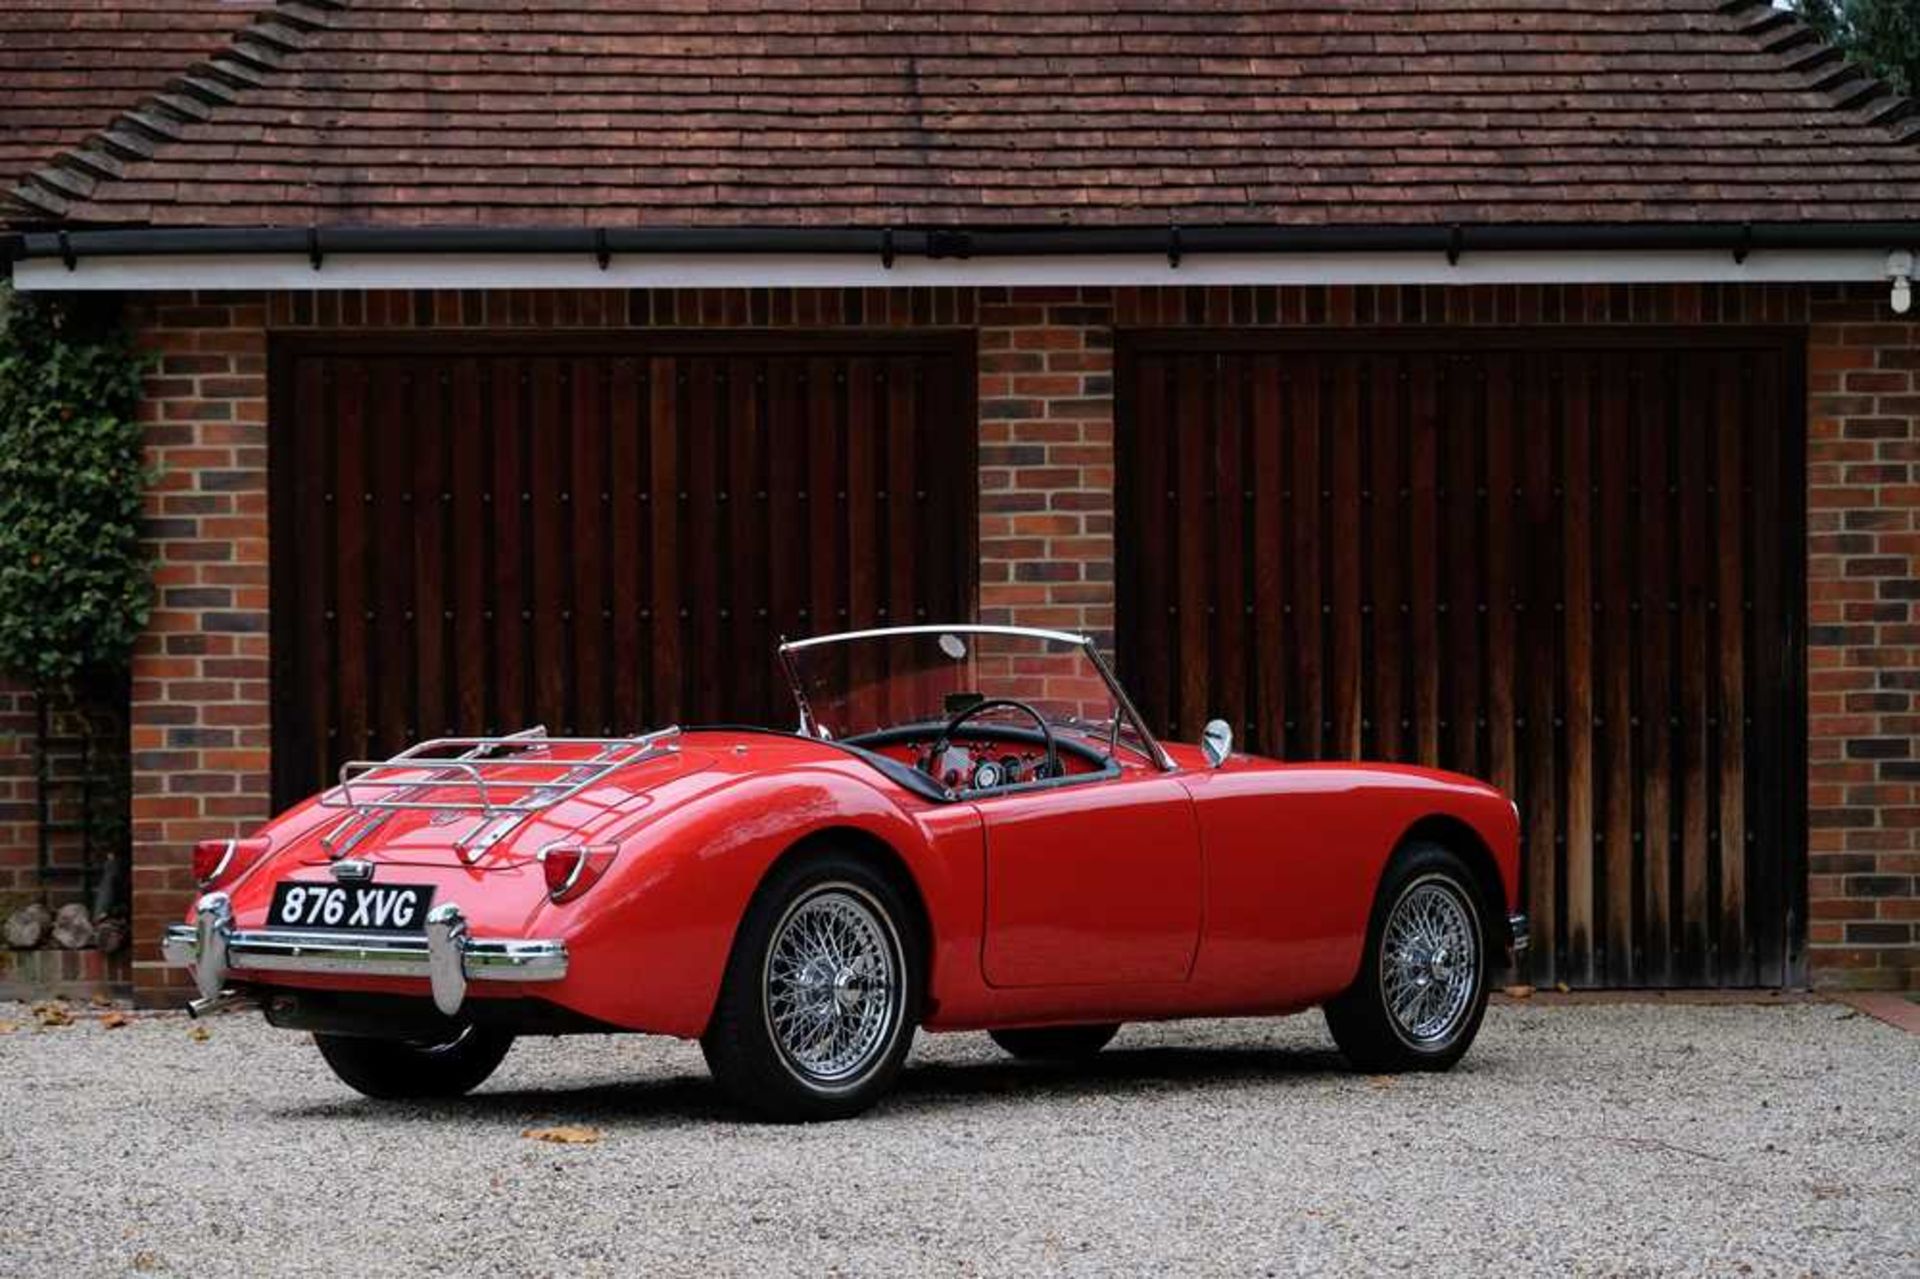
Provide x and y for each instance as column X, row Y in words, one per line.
column 1170, row 889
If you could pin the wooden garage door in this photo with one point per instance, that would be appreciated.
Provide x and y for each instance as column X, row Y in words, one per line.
column 597, row 535
column 1572, row 565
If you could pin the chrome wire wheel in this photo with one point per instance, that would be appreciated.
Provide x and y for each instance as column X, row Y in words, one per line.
column 833, row 986
column 1430, row 957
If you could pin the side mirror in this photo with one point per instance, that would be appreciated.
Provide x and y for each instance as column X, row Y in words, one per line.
column 1216, row 742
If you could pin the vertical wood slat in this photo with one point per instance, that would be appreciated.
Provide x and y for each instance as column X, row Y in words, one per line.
column 1386, row 568
column 390, row 665
column 702, row 430
column 1655, row 432
column 626, row 428
column 1540, row 667
column 1575, row 490
column 546, row 501
column 428, row 612
column 1773, row 665
column 590, row 498
column 663, row 563
column 1731, row 375
column 505, row 547
column 1193, row 551
column 1343, row 558
column 600, row 537
column 1309, row 702
column 1696, row 544
column 1420, row 499
column 467, row 482
column 1464, row 586
column 348, row 731
column 1271, row 577
column 1614, row 550
column 1573, row 574
column 1500, row 596
column 1227, row 651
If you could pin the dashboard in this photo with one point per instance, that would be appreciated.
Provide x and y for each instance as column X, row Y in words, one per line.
column 983, row 759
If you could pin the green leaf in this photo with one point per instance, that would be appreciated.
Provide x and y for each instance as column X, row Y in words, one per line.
column 75, row 580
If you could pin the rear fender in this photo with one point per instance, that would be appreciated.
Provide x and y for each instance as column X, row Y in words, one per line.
column 649, row 943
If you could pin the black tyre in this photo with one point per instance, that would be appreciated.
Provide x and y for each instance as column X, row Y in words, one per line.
column 402, row 1070
column 1422, row 988
column 822, row 992
column 1055, row 1043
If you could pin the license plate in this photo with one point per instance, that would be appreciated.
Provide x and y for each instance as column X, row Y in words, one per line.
column 360, row 908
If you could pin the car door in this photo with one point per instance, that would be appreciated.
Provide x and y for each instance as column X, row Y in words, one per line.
column 1092, row 883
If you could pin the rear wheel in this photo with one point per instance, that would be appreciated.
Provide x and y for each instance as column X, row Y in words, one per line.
column 821, row 995
column 403, row 1070
column 1422, row 988
column 1055, row 1043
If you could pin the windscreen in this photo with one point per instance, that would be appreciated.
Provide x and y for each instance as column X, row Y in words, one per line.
column 854, row 686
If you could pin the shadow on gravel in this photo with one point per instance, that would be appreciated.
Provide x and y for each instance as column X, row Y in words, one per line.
column 923, row 1088
column 1115, row 1072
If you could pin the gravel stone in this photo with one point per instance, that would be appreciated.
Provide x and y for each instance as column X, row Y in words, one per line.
column 1602, row 1139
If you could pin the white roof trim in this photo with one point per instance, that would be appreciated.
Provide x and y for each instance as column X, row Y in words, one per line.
column 827, row 270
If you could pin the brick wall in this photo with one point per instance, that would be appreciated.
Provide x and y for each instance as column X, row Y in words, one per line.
column 1046, row 459
column 19, row 832
column 1863, row 590
column 199, row 698
column 1046, row 523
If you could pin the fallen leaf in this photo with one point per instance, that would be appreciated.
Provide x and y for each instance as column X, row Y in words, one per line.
column 1380, row 1081
column 199, row 1034
column 52, row 1014
column 114, row 1020
column 1519, row 992
column 1562, row 987
column 101, row 1001
column 7, row 1027
column 565, row 1135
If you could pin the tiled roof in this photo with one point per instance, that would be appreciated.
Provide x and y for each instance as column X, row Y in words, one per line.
column 1035, row 112
column 68, row 67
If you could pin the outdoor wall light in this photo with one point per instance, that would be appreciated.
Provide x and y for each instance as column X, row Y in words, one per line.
column 1900, row 271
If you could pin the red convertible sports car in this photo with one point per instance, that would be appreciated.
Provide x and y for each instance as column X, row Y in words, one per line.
column 970, row 828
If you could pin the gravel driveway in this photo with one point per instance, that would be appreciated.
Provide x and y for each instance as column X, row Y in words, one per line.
column 1605, row 1139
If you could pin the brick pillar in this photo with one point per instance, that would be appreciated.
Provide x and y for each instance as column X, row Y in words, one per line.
column 19, row 812
column 1046, row 459
column 1863, row 570
column 200, row 675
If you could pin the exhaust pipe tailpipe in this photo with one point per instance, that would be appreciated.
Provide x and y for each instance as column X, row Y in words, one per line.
column 225, row 1001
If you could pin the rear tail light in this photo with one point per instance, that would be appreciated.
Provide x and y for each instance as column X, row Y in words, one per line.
column 217, row 861
column 571, row 869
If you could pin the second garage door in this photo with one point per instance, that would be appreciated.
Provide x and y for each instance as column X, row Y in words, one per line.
column 1567, row 563
column 596, row 534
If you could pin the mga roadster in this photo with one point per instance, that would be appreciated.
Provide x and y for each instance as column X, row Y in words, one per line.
column 970, row 828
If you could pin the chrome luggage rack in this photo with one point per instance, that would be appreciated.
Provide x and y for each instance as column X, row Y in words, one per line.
column 471, row 768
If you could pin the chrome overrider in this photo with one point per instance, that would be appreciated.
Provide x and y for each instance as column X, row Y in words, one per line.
column 448, row 955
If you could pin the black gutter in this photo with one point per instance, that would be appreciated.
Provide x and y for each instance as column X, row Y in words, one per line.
column 317, row 243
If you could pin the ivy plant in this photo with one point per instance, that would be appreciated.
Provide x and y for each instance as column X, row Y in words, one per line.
column 75, row 582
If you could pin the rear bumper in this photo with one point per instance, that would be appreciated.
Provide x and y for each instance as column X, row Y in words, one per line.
column 447, row 954
column 1520, row 933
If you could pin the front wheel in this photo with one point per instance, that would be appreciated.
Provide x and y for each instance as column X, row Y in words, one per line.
column 412, row 1070
column 821, row 994
column 1422, row 988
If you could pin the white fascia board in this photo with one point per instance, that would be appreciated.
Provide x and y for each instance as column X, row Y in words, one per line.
column 820, row 270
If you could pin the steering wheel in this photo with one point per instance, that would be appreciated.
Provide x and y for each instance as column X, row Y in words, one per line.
column 945, row 740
